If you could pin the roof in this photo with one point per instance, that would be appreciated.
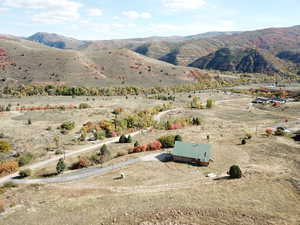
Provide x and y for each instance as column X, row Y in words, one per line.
column 196, row 151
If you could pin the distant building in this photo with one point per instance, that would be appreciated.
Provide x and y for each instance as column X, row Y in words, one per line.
column 199, row 154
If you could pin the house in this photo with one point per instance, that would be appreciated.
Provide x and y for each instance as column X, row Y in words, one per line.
column 199, row 154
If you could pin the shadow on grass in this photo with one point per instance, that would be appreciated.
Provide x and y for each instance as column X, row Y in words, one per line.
column 296, row 137
column 223, row 178
column 48, row 175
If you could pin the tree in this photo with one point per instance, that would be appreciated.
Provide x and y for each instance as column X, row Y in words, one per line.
column 5, row 146
column 129, row 139
column 196, row 103
column 123, row 139
column 209, row 103
column 178, row 138
column 104, row 154
column 136, row 144
column 235, row 172
column 60, row 166
column 244, row 142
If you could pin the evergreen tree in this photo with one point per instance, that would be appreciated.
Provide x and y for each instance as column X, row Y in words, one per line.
column 129, row 139
column 60, row 167
column 235, row 172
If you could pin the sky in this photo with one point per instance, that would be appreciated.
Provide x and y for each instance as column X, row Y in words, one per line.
column 116, row 19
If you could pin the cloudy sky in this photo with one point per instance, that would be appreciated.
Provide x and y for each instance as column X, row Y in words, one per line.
column 113, row 19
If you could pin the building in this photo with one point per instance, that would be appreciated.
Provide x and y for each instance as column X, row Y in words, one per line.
column 199, row 154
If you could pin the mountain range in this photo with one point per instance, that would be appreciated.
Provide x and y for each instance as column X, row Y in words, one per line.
column 52, row 58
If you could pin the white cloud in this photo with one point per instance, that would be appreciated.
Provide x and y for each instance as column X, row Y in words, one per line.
column 183, row 4
column 4, row 9
column 95, row 12
column 48, row 11
column 137, row 15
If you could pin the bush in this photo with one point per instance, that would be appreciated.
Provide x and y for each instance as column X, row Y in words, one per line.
column 70, row 125
column 99, row 135
column 196, row 121
column 5, row 147
column 60, row 166
column 105, row 154
column 156, row 145
column 82, row 163
column 25, row 173
column 84, row 106
column 29, row 122
column 8, row 167
column 167, row 141
column 279, row 132
column 123, row 139
column 196, row 103
column 235, row 172
column 25, row 159
column 136, row 144
column 140, row 148
column 244, row 142
column 178, row 138
column 209, row 103
column 129, row 139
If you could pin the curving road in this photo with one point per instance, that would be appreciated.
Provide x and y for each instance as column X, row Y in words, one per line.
column 10, row 177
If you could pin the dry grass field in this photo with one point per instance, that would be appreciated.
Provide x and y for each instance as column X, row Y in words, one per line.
column 156, row 192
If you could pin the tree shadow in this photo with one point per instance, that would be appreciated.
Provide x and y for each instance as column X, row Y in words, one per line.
column 223, row 178
column 48, row 175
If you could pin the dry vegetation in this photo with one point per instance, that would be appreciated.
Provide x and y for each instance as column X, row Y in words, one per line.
column 156, row 192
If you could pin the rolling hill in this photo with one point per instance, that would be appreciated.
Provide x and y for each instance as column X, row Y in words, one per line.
column 240, row 60
column 27, row 62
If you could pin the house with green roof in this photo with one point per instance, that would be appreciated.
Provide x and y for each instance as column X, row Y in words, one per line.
column 199, row 154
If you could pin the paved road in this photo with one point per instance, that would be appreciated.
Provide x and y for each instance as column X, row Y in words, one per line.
column 76, row 152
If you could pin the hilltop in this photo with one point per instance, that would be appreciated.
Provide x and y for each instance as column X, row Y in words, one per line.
column 26, row 62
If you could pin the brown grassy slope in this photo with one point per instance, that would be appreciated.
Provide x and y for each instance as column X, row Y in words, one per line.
column 25, row 62
column 272, row 40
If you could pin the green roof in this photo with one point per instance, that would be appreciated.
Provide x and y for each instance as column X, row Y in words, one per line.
column 195, row 151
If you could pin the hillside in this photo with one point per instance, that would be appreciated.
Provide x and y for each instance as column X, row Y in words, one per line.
column 239, row 60
column 56, row 41
column 26, row 62
column 272, row 40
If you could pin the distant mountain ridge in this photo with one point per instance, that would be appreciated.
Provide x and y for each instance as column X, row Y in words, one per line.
column 56, row 41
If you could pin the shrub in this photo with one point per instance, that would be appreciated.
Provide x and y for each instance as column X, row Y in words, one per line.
column 156, row 145
column 5, row 146
column 209, row 103
column 269, row 132
column 235, row 172
column 123, row 139
column 25, row 159
column 279, row 132
column 84, row 106
column 105, row 154
column 140, row 148
column 99, row 135
column 167, row 141
column 70, row 125
column 129, row 139
column 248, row 136
column 196, row 121
column 25, row 173
column 60, row 166
column 82, row 163
column 95, row 159
column 29, row 122
column 196, row 103
column 8, row 167
column 243, row 142
column 178, row 138
column 136, row 144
